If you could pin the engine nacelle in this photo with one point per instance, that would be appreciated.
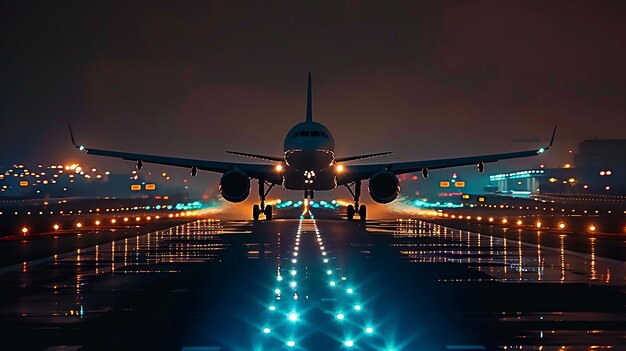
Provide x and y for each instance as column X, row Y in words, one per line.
column 480, row 166
column 235, row 186
column 384, row 187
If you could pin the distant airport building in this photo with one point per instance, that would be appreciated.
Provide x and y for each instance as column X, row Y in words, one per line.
column 599, row 168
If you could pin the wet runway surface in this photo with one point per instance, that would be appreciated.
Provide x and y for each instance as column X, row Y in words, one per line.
column 320, row 284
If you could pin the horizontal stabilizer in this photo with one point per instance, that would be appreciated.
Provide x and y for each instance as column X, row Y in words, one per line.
column 360, row 157
column 260, row 157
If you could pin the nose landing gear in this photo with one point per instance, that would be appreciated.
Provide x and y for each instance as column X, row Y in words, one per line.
column 356, row 209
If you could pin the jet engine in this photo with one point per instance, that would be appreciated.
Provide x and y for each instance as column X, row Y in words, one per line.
column 235, row 186
column 384, row 187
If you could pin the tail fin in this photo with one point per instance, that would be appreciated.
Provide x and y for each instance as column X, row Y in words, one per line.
column 309, row 108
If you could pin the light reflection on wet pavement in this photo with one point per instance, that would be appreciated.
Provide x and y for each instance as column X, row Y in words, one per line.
column 506, row 259
column 206, row 283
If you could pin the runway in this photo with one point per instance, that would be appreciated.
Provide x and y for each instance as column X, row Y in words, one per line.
column 319, row 283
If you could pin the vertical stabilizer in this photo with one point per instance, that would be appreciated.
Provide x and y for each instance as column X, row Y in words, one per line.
column 309, row 108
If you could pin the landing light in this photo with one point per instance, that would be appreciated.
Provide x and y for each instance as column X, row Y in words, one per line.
column 339, row 168
column 279, row 168
column 541, row 150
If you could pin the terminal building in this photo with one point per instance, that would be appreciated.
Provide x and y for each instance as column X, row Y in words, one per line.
column 599, row 168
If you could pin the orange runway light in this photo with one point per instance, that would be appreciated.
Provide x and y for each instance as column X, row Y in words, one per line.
column 113, row 221
column 56, row 227
column 79, row 225
column 97, row 222
column 24, row 230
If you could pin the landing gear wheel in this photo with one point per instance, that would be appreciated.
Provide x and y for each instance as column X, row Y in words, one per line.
column 256, row 212
column 350, row 212
column 362, row 212
column 268, row 212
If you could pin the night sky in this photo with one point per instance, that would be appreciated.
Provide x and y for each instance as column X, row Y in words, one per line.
column 195, row 78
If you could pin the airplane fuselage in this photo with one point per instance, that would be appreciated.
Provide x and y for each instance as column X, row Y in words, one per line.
column 309, row 158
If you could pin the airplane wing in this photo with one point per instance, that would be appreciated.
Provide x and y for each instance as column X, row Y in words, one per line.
column 257, row 171
column 260, row 157
column 360, row 172
column 361, row 157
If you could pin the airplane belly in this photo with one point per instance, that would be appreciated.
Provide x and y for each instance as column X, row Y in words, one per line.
column 304, row 160
column 294, row 180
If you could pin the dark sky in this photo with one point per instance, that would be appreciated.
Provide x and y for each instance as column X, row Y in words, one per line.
column 194, row 78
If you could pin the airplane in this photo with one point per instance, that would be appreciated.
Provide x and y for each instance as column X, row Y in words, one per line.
column 309, row 164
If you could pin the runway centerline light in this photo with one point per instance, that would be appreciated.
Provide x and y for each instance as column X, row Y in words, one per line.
column 349, row 290
column 293, row 284
column 293, row 272
column 291, row 343
column 369, row 330
column 329, row 272
column 325, row 260
column 340, row 316
column 293, row 316
column 272, row 308
column 277, row 291
column 332, row 283
column 266, row 330
column 357, row 307
column 349, row 343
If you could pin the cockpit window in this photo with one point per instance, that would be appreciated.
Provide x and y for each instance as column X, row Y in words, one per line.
column 295, row 134
column 315, row 133
column 304, row 133
column 324, row 135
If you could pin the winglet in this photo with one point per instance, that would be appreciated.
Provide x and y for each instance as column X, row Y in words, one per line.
column 73, row 140
column 309, row 108
column 551, row 141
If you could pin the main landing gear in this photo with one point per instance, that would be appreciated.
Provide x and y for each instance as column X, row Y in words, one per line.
column 265, row 209
column 356, row 209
